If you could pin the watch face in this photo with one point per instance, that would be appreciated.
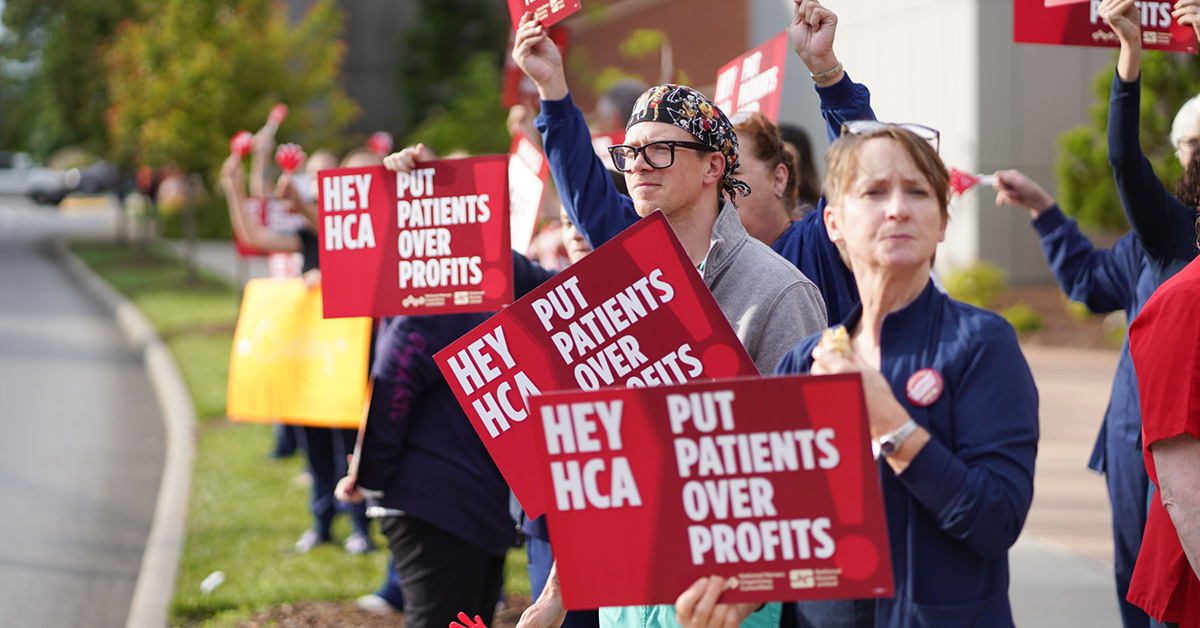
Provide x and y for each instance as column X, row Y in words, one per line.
column 886, row 447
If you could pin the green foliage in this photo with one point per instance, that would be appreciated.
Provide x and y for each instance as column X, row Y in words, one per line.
column 441, row 46
column 643, row 42
column 1085, row 183
column 979, row 284
column 1022, row 317
column 1077, row 310
column 212, row 220
column 474, row 120
column 189, row 73
column 63, row 100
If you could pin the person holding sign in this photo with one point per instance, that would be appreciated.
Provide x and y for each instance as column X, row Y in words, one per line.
column 601, row 212
column 680, row 156
column 1160, row 245
column 951, row 403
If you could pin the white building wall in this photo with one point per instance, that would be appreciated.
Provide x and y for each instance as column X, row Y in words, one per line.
column 951, row 65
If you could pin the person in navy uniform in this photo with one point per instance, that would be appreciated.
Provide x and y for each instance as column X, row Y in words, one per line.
column 951, row 403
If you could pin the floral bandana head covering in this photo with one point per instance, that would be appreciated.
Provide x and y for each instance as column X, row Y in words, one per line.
column 691, row 111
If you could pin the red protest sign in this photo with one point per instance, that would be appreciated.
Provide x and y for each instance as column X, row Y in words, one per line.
column 433, row 241
column 548, row 12
column 769, row 482
column 1080, row 24
column 601, row 142
column 632, row 313
column 528, row 171
column 754, row 81
column 519, row 89
column 275, row 214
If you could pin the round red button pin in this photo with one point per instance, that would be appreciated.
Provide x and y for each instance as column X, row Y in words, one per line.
column 925, row 387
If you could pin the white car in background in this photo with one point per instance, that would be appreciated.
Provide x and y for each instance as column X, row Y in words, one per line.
column 19, row 176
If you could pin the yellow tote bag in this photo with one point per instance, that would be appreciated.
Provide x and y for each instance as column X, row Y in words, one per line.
column 289, row 364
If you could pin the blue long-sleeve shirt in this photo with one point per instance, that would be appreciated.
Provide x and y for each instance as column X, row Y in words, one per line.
column 1123, row 277
column 601, row 212
column 961, row 503
column 420, row 450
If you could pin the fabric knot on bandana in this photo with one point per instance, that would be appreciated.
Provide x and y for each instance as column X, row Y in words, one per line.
column 691, row 111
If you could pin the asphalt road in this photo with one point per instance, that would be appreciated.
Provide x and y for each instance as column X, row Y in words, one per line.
column 81, row 438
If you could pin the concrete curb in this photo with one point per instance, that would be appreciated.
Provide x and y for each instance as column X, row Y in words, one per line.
column 160, row 561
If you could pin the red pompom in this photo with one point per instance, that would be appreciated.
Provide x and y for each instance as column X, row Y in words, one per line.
column 289, row 157
column 380, row 143
column 241, row 143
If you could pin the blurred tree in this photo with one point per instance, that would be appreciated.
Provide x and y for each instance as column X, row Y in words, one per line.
column 473, row 121
column 60, row 96
column 187, row 74
column 439, row 48
column 1085, row 182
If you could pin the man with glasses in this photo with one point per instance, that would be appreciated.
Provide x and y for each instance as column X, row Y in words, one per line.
column 602, row 212
column 679, row 156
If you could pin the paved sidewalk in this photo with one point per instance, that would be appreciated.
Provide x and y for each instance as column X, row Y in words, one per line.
column 1062, row 565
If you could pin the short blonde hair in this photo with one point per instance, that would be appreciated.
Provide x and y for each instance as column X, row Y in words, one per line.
column 841, row 163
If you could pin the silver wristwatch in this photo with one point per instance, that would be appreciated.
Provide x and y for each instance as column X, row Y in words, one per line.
column 890, row 443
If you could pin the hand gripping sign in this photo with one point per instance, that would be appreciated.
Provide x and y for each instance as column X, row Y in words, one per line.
column 754, row 81
column 432, row 241
column 633, row 313
column 1078, row 23
column 768, row 482
column 289, row 364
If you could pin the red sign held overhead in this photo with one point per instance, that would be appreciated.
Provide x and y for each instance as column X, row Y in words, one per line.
column 433, row 241
column 1079, row 24
column 633, row 313
column 769, row 482
column 528, row 172
column 548, row 12
column 754, row 81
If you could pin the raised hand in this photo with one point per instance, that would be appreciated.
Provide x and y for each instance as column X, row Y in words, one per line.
column 1123, row 17
column 812, row 33
column 405, row 160
column 1014, row 188
column 1187, row 13
column 537, row 56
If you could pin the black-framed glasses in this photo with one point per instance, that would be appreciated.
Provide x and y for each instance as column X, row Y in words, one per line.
column 866, row 127
column 658, row 155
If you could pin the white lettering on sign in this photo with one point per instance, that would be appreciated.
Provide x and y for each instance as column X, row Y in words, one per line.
column 350, row 231
column 577, row 486
column 343, row 194
column 346, row 192
column 1154, row 14
column 480, row 364
column 417, row 183
column 569, row 428
column 703, row 453
column 752, row 541
column 704, row 410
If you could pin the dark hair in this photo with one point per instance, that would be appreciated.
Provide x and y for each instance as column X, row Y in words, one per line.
column 808, row 185
column 622, row 95
column 767, row 146
column 1187, row 188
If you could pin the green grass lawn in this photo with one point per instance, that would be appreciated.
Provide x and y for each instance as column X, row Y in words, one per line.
column 246, row 510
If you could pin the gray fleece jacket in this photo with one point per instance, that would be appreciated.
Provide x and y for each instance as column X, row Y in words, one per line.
column 770, row 304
